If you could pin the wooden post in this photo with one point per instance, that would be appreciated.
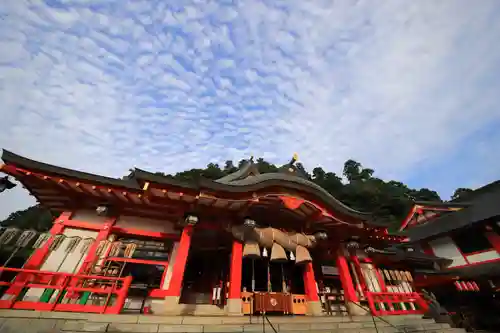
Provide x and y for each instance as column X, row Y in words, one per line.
column 236, row 270
column 180, row 262
column 346, row 279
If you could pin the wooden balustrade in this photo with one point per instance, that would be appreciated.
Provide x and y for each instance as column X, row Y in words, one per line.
column 57, row 291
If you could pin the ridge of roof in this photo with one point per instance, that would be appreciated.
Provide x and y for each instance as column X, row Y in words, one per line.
column 248, row 168
column 442, row 203
column 495, row 185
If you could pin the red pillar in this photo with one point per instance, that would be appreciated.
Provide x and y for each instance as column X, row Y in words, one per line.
column 236, row 270
column 494, row 239
column 346, row 279
column 310, row 283
column 180, row 262
column 101, row 236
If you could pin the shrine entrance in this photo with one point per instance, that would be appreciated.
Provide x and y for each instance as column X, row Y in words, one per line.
column 207, row 269
column 261, row 275
column 272, row 286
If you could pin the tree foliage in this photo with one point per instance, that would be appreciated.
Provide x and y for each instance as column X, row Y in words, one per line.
column 461, row 193
column 34, row 217
column 357, row 188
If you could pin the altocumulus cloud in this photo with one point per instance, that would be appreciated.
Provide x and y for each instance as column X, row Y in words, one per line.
column 102, row 86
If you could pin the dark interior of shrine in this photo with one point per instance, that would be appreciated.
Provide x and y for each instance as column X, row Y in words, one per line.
column 205, row 269
column 281, row 275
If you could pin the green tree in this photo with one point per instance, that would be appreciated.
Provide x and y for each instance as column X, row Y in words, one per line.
column 461, row 193
column 229, row 167
column 34, row 217
column 352, row 170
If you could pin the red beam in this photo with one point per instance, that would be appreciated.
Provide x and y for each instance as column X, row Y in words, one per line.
column 140, row 232
column 82, row 225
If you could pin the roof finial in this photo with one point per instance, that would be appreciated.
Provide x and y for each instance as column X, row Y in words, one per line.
column 294, row 159
column 251, row 159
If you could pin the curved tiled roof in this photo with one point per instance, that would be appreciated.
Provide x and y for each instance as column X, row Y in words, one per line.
column 32, row 165
column 262, row 181
column 233, row 183
column 243, row 172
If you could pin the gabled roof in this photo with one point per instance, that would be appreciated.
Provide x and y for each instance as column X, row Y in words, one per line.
column 479, row 211
column 247, row 170
column 424, row 212
column 478, row 193
column 32, row 165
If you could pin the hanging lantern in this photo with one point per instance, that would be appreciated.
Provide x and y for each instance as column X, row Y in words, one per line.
column 56, row 243
column 86, row 245
column 72, row 244
column 100, row 248
column 41, row 240
column 25, row 238
column 129, row 250
column 115, row 249
column 8, row 235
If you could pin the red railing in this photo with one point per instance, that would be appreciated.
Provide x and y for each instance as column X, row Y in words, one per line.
column 56, row 291
column 390, row 303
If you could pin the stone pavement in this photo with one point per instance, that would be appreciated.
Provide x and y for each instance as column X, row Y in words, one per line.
column 19, row 321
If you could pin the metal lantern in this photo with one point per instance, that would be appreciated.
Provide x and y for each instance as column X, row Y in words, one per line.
column 191, row 220
column 352, row 244
column 102, row 210
column 321, row 235
column 6, row 184
column 249, row 223
column 370, row 249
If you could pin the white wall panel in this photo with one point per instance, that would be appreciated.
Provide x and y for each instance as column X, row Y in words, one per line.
column 483, row 256
column 142, row 223
column 446, row 248
column 57, row 261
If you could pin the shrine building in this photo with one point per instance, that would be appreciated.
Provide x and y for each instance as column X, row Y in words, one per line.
column 465, row 231
column 244, row 244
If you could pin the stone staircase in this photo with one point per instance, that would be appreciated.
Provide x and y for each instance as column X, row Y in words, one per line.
column 17, row 321
column 200, row 310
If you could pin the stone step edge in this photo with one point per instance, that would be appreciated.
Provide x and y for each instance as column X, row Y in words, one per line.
column 77, row 326
column 129, row 318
